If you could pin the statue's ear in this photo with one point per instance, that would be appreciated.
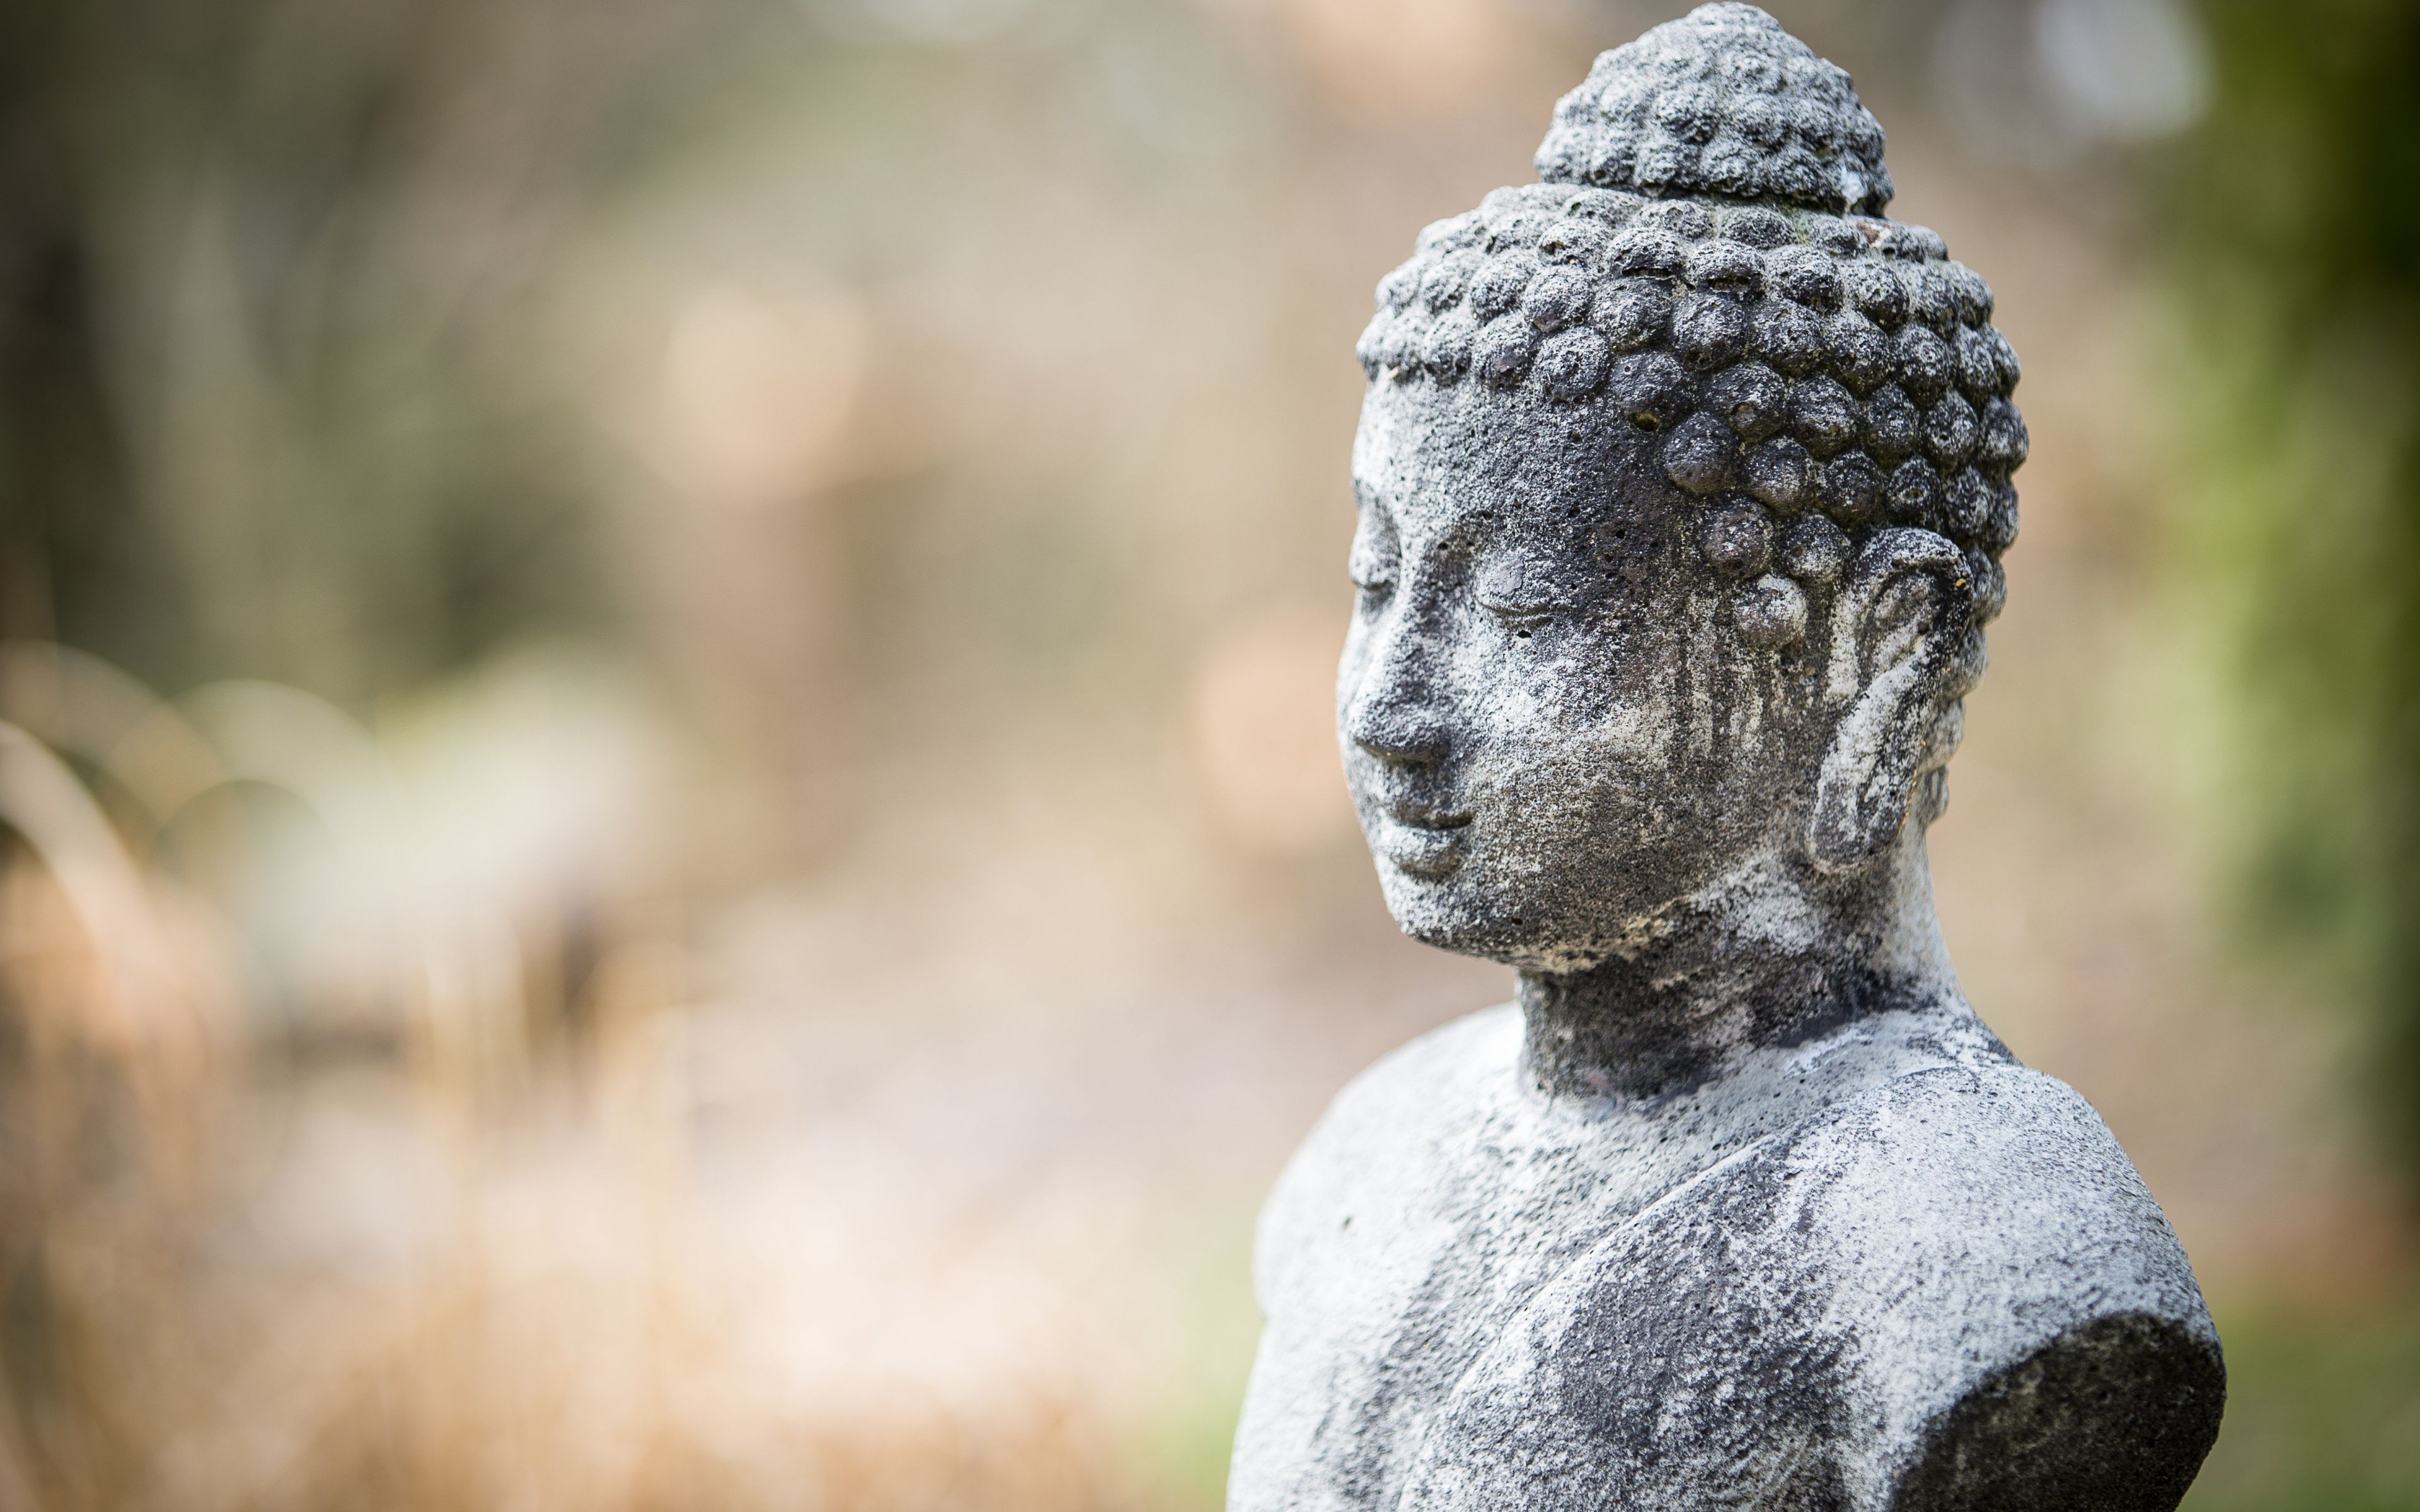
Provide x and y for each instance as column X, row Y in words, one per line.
column 1898, row 637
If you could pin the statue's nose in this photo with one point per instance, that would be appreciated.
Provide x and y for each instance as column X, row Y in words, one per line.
column 1394, row 713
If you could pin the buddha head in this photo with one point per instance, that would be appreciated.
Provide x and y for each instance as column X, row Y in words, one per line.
column 1683, row 482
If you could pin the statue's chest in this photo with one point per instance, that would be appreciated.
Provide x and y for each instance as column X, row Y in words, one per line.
column 1401, row 1286
column 1482, row 1301
column 1531, row 1296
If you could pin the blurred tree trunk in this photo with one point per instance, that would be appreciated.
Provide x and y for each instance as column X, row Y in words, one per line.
column 66, row 525
column 276, row 392
column 2297, row 223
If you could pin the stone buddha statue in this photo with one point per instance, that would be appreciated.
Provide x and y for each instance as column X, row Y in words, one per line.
column 1684, row 479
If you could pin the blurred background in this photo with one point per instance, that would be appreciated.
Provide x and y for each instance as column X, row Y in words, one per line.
column 671, row 837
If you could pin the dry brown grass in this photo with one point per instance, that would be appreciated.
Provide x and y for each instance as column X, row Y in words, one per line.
column 436, row 1243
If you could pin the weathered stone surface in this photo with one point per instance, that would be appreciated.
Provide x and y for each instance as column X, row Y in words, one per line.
column 1724, row 101
column 1683, row 482
column 1888, row 1267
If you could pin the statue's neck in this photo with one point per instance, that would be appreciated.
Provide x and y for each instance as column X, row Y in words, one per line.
column 1770, row 956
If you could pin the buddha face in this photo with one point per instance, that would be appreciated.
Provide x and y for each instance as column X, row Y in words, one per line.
column 1553, row 727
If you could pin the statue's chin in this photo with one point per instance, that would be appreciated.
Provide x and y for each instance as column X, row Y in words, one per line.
column 1454, row 915
column 1463, row 912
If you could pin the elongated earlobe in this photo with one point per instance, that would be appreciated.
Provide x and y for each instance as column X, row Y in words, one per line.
column 1898, row 628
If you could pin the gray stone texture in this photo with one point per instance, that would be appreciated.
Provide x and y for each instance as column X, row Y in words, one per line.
column 1721, row 101
column 1683, row 482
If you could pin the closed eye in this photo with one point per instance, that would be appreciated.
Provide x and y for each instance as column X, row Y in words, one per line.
column 1522, row 618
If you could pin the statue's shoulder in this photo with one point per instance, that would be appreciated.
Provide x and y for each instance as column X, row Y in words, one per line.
column 1950, row 1288
column 1964, row 1191
column 2021, row 1324
column 1370, row 1152
column 1960, row 1192
column 1992, row 1141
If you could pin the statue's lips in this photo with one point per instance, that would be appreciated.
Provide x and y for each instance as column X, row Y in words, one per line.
column 1426, row 842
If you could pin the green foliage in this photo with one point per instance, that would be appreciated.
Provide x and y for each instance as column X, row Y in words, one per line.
column 2295, row 224
column 2321, row 1416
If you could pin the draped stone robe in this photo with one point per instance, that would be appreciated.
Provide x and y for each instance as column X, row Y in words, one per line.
column 1891, row 1268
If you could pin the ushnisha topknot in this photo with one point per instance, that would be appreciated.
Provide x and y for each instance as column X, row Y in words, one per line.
column 1721, row 101
column 1805, row 376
